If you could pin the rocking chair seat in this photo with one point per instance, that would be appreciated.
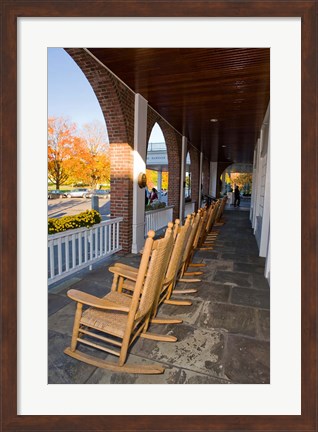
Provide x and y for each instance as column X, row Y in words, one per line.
column 114, row 322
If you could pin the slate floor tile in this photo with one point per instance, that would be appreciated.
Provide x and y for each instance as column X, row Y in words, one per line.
column 247, row 361
column 250, row 297
column 189, row 314
column 62, row 321
column 212, row 291
column 259, row 282
column 56, row 302
column 235, row 279
column 63, row 369
column 229, row 318
column 197, row 349
column 264, row 324
column 248, row 268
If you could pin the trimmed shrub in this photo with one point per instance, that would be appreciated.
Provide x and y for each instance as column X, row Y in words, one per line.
column 155, row 206
column 85, row 219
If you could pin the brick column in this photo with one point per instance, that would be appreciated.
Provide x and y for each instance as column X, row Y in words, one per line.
column 121, row 183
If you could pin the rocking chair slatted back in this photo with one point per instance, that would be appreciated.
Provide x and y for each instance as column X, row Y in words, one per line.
column 221, row 209
column 155, row 274
column 191, row 239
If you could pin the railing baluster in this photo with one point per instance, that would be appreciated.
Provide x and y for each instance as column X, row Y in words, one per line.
column 101, row 252
column 117, row 235
column 96, row 242
column 73, row 251
column 67, row 253
column 52, row 272
column 59, row 255
column 85, row 246
column 109, row 228
column 80, row 249
column 105, row 238
column 90, row 240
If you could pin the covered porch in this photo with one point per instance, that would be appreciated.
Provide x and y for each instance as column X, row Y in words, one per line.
column 224, row 336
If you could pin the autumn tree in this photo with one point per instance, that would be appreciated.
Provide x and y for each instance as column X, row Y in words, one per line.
column 97, row 153
column 76, row 165
column 243, row 180
column 60, row 145
column 77, row 156
column 152, row 178
column 165, row 180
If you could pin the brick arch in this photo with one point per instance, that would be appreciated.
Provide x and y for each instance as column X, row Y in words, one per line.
column 195, row 172
column 173, row 144
column 109, row 93
column 117, row 104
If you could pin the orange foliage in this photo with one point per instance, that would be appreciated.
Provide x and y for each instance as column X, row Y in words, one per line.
column 74, row 158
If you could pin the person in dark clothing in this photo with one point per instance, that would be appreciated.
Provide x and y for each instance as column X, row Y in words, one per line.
column 153, row 195
column 237, row 197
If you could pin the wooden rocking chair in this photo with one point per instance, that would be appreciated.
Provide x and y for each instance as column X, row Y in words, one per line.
column 219, row 221
column 116, row 320
column 208, row 236
column 125, row 276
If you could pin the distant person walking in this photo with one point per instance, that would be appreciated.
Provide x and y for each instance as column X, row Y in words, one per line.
column 153, row 195
column 237, row 196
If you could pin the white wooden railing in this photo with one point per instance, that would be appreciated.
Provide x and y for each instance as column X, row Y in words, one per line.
column 189, row 208
column 157, row 219
column 72, row 250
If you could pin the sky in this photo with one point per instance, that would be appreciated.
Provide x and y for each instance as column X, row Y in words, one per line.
column 70, row 94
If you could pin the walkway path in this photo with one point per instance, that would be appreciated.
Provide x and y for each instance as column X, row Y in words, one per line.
column 224, row 337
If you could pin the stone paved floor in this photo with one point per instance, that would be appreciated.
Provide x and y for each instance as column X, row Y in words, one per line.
column 224, row 337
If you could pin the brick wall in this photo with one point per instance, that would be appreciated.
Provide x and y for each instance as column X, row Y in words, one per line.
column 121, row 190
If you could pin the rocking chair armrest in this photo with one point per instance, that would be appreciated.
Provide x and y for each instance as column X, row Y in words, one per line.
column 124, row 273
column 93, row 301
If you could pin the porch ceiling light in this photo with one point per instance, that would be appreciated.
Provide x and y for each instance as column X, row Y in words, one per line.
column 213, row 120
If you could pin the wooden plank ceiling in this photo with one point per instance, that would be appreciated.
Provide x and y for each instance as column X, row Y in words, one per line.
column 189, row 87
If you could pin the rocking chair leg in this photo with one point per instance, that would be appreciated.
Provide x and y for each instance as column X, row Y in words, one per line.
column 185, row 291
column 78, row 315
column 189, row 280
column 138, row 369
column 178, row 302
column 197, row 265
column 158, row 337
column 194, row 273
